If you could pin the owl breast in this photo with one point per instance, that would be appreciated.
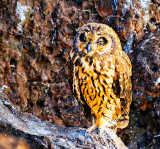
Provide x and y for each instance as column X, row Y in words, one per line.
column 95, row 79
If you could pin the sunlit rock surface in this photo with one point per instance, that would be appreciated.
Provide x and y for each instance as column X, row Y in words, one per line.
column 36, row 38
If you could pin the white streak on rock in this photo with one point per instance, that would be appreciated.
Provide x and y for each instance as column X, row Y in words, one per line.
column 157, row 81
column 21, row 12
column 3, row 88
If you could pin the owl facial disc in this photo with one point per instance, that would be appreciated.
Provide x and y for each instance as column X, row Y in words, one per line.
column 96, row 39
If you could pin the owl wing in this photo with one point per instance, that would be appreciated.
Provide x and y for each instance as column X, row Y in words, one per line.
column 77, row 92
column 123, row 81
column 74, row 83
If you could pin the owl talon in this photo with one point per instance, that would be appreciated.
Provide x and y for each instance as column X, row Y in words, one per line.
column 90, row 129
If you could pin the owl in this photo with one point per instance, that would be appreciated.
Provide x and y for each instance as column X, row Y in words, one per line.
column 101, row 78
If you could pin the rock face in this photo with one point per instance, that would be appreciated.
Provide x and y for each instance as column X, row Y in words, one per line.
column 144, row 116
column 36, row 38
column 35, row 41
column 147, row 55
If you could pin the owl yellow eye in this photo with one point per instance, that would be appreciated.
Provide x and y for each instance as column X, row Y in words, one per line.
column 83, row 37
column 102, row 41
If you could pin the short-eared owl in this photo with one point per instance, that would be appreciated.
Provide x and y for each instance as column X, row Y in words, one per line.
column 101, row 76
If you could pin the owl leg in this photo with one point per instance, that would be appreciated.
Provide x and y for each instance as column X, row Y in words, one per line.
column 95, row 125
column 102, row 123
column 93, row 118
column 90, row 129
column 110, row 123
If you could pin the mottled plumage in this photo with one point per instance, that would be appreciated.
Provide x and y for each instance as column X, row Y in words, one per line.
column 101, row 76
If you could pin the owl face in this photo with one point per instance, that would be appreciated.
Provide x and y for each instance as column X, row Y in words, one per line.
column 96, row 39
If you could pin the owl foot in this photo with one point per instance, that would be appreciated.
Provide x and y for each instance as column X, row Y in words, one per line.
column 109, row 123
column 102, row 124
column 90, row 129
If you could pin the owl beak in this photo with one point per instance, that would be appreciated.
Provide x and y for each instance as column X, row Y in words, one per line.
column 88, row 47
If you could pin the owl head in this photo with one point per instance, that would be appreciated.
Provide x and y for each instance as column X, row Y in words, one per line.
column 94, row 39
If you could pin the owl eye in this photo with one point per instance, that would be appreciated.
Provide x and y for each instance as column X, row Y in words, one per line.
column 83, row 38
column 102, row 41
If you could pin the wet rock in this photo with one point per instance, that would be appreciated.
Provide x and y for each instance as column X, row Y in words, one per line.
column 106, row 8
column 131, row 19
column 146, row 65
column 144, row 115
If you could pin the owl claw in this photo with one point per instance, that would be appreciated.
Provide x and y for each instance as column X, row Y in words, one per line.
column 90, row 129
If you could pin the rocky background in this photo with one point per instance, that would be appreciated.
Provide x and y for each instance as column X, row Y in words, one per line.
column 36, row 38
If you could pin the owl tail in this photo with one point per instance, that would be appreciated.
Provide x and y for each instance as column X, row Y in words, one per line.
column 123, row 122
